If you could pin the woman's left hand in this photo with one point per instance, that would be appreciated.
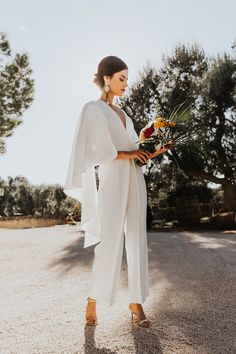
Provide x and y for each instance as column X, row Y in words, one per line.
column 158, row 152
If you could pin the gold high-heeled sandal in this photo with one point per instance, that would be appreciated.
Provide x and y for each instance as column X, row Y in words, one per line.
column 136, row 320
column 91, row 321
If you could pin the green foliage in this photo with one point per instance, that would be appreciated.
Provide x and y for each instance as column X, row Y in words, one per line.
column 204, row 193
column 210, row 83
column 16, row 89
column 182, row 112
column 47, row 201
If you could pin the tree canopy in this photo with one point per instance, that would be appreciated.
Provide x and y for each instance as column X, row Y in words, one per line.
column 16, row 89
column 210, row 82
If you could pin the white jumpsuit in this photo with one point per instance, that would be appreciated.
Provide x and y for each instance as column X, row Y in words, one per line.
column 117, row 210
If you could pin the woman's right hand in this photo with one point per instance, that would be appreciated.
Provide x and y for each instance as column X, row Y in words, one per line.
column 141, row 155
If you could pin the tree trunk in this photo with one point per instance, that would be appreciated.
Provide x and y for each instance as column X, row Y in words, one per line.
column 229, row 197
column 229, row 188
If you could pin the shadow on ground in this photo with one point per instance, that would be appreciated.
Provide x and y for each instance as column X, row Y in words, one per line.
column 198, row 305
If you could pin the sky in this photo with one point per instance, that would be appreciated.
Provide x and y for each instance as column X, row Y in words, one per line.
column 66, row 39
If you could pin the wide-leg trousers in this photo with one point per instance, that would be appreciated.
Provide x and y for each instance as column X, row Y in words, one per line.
column 123, row 207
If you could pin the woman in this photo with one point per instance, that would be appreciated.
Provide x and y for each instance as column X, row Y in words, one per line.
column 105, row 138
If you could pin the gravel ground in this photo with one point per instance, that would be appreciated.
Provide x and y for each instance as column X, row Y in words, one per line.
column 45, row 273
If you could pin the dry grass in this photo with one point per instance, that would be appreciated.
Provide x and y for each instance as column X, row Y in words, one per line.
column 20, row 223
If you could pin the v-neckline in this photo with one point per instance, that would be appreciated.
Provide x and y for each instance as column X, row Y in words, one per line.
column 124, row 126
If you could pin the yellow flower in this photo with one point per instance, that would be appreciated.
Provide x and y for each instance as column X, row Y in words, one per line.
column 159, row 123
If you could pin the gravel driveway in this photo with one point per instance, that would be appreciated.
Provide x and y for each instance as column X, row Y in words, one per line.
column 45, row 273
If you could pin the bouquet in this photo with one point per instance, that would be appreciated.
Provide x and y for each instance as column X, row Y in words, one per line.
column 166, row 133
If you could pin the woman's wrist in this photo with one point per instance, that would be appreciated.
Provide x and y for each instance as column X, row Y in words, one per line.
column 122, row 155
column 155, row 154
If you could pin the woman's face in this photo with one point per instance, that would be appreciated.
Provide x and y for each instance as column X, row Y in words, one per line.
column 118, row 82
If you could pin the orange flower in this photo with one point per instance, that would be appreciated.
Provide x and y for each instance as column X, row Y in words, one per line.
column 161, row 122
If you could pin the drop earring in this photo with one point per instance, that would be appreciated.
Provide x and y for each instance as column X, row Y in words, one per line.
column 107, row 89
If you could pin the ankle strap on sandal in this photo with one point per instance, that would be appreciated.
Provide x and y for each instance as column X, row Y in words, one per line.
column 91, row 300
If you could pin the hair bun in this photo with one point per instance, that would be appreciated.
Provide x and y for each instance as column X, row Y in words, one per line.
column 98, row 79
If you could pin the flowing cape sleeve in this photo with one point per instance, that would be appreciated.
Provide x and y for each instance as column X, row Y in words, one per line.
column 92, row 145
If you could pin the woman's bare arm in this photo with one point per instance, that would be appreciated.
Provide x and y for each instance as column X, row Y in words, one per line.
column 141, row 155
column 121, row 155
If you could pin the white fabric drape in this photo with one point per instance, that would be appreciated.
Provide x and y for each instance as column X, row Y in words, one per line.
column 99, row 134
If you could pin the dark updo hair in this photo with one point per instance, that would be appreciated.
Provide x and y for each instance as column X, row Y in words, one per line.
column 108, row 66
